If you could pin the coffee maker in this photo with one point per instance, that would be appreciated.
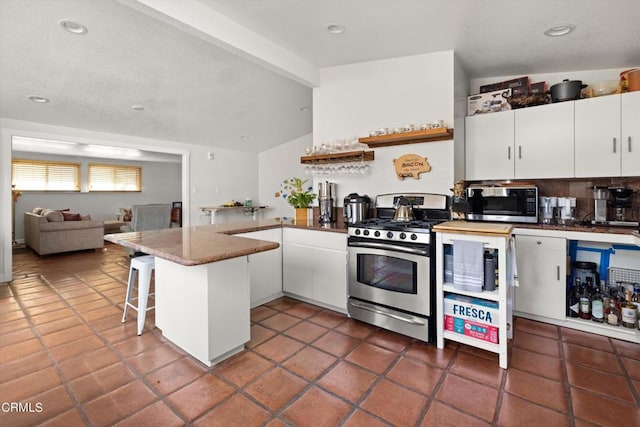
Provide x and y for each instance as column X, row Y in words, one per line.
column 326, row 197
column 600, row 197
column 548, row 207
column 622, row 199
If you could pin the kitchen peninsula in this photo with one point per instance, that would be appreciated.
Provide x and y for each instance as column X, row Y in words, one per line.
column 201, row 286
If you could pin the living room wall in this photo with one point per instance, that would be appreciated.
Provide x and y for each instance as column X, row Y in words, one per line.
column 161, row 183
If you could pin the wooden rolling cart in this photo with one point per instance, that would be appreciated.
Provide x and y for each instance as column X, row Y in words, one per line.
column 493, row 236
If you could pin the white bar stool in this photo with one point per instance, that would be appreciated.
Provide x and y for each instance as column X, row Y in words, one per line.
column 143, row 265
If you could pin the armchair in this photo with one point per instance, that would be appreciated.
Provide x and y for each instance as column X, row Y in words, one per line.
column 149, row 217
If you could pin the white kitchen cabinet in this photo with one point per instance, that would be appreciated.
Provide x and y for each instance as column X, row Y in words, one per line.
column 630, row 144
column 542, row 275
column 544, row 141
column 528, row 143
column 608, row 136
column 297, row 269
column 489, row 146
column 265, row 268
column 598, row 143
column 315, row 266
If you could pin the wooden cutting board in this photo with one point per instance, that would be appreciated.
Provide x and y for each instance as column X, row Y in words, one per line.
column 474, row 227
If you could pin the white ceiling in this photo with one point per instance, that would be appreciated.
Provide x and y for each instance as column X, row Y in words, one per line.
column 211, row 71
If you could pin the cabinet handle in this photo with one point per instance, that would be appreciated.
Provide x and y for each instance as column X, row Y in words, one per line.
column 558, row 272
column 614, row 145
column 629, row 142
column 519, row 151
column 509, row 151
column 539, row 242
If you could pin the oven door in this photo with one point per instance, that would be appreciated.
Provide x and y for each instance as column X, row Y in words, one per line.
column 390, row 275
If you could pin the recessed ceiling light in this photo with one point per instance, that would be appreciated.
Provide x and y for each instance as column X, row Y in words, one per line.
column 559, row 30
column 38, row 99
column 244, row 137
column 137, row 107
column 335, row 28
column 72, row 27
column 305, row 109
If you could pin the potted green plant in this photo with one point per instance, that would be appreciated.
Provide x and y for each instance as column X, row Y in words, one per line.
column 299, row 195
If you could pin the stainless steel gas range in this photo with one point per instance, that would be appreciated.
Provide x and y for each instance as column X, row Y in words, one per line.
column 392, row 265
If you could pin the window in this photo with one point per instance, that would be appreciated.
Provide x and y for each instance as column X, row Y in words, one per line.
column 114, row 178
column 37, row 175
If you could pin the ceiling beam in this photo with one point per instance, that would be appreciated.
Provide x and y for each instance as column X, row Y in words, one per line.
column 200, row 20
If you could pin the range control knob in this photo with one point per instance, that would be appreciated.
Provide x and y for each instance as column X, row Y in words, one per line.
column 377, row 233
column 357, row 231
column 365, row 232
column 414, row 236
column 403, row 236
column 389, row 234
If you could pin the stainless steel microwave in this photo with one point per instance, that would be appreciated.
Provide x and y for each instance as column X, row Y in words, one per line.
column 503, row 204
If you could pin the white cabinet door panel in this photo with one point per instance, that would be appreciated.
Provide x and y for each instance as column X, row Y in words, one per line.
column 598, row 144
column 297, row 269
column 631, row 134
column 489, row 146
column 544, row 137
column 542, row 274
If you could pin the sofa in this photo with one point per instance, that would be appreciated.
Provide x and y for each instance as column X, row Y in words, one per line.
column 48, row 231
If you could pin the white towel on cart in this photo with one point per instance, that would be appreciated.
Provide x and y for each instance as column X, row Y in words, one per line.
column 468, row 264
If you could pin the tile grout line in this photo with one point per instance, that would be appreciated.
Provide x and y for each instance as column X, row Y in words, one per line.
column 120, row 356
column 54, row 362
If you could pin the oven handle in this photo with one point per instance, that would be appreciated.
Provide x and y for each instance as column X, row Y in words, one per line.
column 379, row 310
column 376, row 245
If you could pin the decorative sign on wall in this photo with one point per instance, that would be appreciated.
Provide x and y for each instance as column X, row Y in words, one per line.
column 411, row 165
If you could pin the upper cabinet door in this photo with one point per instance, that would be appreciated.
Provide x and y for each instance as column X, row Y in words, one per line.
column 598, row 144
column 631, row 134
column 489, row 146
column 544, row 141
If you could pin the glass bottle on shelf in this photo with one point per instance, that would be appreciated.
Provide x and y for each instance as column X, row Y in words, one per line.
column 597, row 309
column 628, row 312
column 585, row 303
column 612, row 313
column 573, row 304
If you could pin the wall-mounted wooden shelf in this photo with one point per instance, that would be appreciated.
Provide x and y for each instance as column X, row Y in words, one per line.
column 347, row 156
column 429, row 135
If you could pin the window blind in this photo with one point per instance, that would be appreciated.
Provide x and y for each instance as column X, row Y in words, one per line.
column 38, row 175
column 114, row 177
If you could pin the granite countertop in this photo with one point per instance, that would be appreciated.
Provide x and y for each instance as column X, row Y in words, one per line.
column 202, row 244
column 196, row 245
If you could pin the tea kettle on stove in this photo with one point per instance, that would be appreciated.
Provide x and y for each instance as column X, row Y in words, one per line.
column 404, row 210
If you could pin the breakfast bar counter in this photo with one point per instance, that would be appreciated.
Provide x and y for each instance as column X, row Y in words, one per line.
column 201, row 287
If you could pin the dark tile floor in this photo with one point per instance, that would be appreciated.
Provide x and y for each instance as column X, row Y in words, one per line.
column 67, row 359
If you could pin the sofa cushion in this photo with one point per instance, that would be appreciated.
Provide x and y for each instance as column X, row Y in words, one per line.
column 68, row 216
column 53, row 216
column 37, row 211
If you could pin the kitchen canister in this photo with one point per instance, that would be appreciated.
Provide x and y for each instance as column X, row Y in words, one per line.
column 633, row 80
column 489, row 272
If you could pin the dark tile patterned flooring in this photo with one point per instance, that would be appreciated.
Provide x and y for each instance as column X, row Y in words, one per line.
column 67, row 359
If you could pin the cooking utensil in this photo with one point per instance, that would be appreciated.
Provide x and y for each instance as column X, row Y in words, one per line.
column 606, row 87
column 568, row 90
column 527, row 100
column 404, row 210
column 356, row 208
